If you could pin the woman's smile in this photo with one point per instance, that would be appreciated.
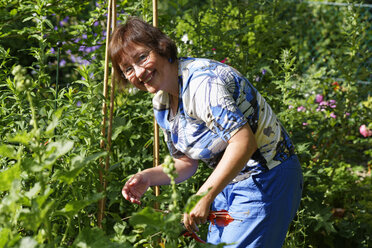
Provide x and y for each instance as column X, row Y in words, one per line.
column 149, row 77
column 149, row 71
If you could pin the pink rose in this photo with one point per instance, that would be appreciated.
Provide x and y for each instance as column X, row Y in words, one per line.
column 318, row 98
column 301, row 109
column 332, row 103
column 365, row 131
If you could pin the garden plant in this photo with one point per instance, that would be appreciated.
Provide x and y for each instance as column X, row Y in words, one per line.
column 310, row 59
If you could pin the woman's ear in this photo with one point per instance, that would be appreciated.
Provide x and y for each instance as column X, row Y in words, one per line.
column 164, row 48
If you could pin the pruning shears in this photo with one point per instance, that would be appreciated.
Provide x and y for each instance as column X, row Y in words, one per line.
column 219, row 218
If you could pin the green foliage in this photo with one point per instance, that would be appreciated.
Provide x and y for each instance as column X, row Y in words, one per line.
column 310, row 61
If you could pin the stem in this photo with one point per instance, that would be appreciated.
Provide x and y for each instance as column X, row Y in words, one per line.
column 67, row 229
column 76, row 196
column 59, row 44
column 29, row 98
column 174, row 190
column 49, row 230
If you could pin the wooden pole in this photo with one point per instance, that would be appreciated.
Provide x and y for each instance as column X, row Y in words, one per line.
column 156, row 127
column 104, row 168
column 111, row 113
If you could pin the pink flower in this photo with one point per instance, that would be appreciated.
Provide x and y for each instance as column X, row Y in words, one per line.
column 301, row 109
column 318, row 98
column 224, row 60
column 363, row 129
column 305, row 124
column 333, row 115
column 332, row 103
column 290, row 107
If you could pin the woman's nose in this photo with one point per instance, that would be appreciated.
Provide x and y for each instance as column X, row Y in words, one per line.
column 139, row 70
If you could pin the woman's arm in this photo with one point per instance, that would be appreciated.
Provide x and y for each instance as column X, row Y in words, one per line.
column 240, row 148
column 138, row 184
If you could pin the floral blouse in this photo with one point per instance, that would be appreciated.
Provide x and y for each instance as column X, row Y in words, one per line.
column 215, row 101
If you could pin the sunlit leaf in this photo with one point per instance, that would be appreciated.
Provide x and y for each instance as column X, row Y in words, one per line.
column 147, row 216
column 73, row 207
column 56, row 149
column 8, row 151
column 95, row 238
column 4, row 236
column 7, row 177
column 78, row 165
column 54, row 122
column 22, row 137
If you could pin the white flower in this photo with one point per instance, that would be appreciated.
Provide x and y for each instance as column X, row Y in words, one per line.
column 185, row 38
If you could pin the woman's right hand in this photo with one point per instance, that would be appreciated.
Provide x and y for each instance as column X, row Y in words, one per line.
column 135, row 187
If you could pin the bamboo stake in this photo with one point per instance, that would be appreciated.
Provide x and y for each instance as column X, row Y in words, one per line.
column 103, row 183
column 156, row 127
column 112, row 95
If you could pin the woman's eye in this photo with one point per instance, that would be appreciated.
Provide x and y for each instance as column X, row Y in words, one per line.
column 128, row 70
column 142, row 57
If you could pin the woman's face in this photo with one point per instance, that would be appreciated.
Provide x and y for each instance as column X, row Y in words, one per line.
column 147, row 70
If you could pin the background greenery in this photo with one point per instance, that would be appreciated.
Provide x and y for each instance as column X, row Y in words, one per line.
column 310, row 60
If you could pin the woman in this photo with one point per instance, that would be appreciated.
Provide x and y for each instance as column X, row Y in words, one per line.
column 209, row 111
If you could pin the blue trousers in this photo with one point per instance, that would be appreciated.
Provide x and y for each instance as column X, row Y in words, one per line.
column 262, row 205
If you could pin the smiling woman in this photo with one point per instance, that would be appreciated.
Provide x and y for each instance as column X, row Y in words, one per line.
column 209, row 111
column 148, row 70
column 138, row 34
column 140, row 61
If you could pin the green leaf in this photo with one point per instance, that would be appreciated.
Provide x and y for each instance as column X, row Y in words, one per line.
column 4, row 236
column 82, row 82
column 49, row 23
column 28, row 18
column 117, row 131
column 192, row 201
column 22, row 137
column 73, row 207
column 13, row 12
column 53, row 124
column 94, row 238
column 36, row 36
column 33, row 191
column 55, row 150
column 78, row 165
column 8, row 176
column 148, row 216
column 8, row 151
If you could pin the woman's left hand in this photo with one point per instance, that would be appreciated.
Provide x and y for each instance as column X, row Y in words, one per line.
column 240, row 148
column 198, row 215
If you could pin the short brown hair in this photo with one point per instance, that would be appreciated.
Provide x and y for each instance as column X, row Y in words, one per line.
column 136, row 31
